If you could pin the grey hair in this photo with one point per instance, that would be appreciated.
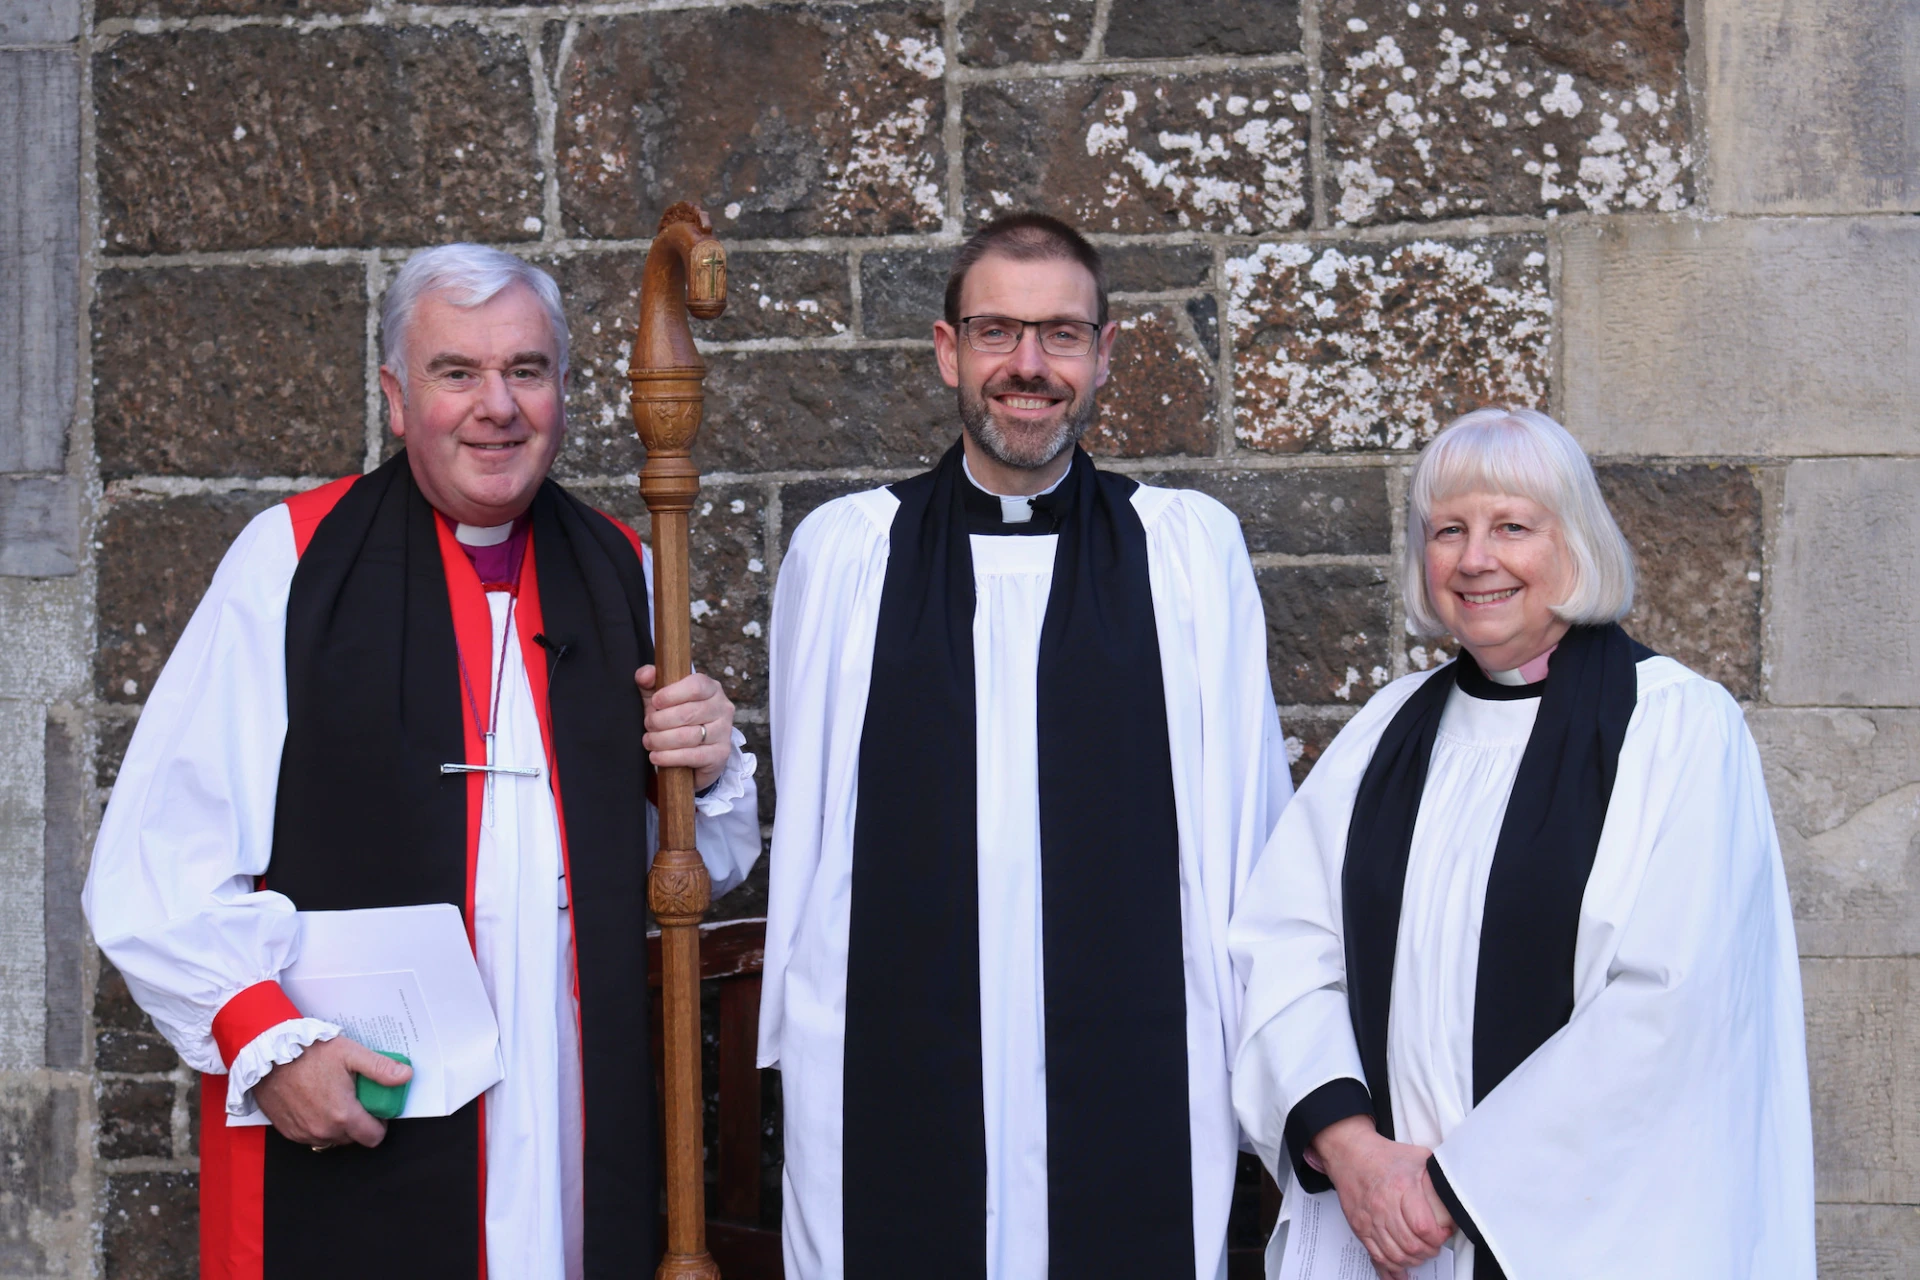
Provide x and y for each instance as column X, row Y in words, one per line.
column 1529, row 455
column 466, row 275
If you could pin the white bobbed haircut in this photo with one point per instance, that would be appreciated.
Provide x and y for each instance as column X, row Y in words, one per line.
column 1529, row 455
column 466, row 275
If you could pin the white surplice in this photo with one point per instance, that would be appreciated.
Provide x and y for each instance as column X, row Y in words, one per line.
column 171, row 900
column 1666, row 1130
column 1230, row 782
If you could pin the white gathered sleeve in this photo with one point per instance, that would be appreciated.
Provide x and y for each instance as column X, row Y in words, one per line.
column 1288, row 944
column 170, row 895
column 1666, row 1130
column 726, row 820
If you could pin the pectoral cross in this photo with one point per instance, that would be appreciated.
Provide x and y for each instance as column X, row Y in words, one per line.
column 490, row 769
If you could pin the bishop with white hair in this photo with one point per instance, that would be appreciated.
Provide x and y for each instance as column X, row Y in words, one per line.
column 1520, row 964
column 432, row 683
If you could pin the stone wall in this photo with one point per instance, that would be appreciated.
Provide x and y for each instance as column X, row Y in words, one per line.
column 1333, row 224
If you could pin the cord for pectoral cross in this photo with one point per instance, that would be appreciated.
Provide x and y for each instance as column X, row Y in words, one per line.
column 489, row 726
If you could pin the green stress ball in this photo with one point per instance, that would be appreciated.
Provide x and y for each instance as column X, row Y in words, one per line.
column 383, row 1101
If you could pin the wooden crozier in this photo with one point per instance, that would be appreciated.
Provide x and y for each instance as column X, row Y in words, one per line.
column 686, row 272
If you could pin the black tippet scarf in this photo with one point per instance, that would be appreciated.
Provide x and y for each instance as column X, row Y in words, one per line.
column 366, row 819
column 1118, row 1151
column 1524, row 986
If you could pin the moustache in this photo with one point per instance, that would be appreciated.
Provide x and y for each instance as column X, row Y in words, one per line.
column 1012, row 384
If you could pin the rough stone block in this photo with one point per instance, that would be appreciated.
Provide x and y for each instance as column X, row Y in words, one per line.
column 1440, row 110
column 1812, row 110
column 1378, row 346
column 1328, row 632
column 1845, row 787
column 230, row 371
column 903, row 291
column 211, row 8
column 1306, row 738
column 800, row 499
column 1868, row 1242
column 1777, row 336
column 1863, row 1060
column 1187, row 28
column 1304, row 511
column 841, row 133
column 994, row 33
column 808, row 410
column 1695, row 533
column 357, row 136
column 40, row 1132
column 136, row 1119
column 1205, row 152
column 152, row 1226
column 39, row 526
column 1141, row 268
column 156, row 558
column 111, row 737
column 39, row 21
column 730, row 587
column 770, row 295
column 39, row 246
column 1845, row 615
column 744, row 901
column 124, row 1037
column 1160, row 399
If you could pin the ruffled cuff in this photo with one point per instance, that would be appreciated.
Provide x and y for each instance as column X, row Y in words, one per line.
column 732, row 782
column 276, row 1045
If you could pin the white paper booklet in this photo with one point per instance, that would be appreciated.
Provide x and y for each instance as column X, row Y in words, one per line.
column 1321, row 1246
column 401, row 980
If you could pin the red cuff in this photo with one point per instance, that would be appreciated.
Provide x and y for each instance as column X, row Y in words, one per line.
column 241, row 1020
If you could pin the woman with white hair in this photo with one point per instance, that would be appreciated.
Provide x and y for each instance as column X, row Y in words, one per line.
column 1521, row 970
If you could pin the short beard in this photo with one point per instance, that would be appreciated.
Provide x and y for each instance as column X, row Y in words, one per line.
column 1030, row 454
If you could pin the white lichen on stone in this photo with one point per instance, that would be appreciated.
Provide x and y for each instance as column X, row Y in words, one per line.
column 1372, row 347
column 1410, row 101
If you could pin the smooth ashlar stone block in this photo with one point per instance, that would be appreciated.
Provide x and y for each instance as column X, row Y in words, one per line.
column 840, row 132
column 230, row 371
column 1328, row 632
column 1845, row 615
column 1160, row 399
column 1300, row 511
column 1845, row 786
column 354, row 136
column 39, row 526
column 1136, row 154
column 1812, row 109
column 994, row 33
column 1440, row 110
column 39, row 249
column 1362, row 346
column 1868, row 1241
column 1738, row 338
column 1198, row 28
column 42, row 1192
column 39, row 22
column 1863, row 1062
column 1696, row 538
column 156, row 558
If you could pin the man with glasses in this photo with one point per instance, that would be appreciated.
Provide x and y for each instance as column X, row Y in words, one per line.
column 1027, row 754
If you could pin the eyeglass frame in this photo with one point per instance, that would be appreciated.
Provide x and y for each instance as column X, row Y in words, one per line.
column 965, row 331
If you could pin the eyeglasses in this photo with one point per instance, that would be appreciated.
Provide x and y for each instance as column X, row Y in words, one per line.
column 1001, row 335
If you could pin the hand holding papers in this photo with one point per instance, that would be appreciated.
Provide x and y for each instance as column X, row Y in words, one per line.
column 401, row 980
column 1321, row 1246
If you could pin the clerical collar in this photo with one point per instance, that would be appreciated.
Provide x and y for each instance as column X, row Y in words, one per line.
column 1495, row 686
column 1015, row 509
column 494, row 550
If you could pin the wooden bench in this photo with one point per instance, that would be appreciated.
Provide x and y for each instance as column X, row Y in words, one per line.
column 731, row 954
